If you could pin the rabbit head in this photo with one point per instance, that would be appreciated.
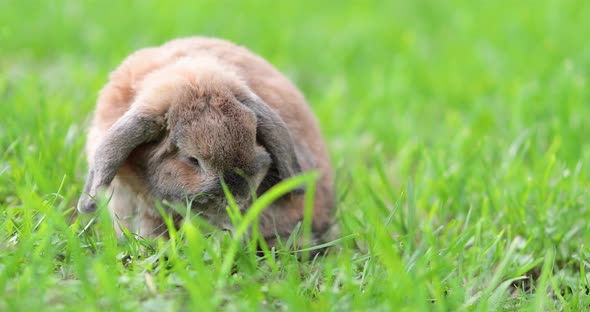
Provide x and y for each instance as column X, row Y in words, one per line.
column 192, row 125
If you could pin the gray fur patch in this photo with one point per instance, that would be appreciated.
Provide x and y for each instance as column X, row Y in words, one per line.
column 121, row 139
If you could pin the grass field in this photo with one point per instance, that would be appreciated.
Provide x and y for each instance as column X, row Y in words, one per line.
column 459, row 131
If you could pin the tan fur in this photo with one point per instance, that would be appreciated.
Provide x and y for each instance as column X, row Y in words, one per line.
column 205, row 74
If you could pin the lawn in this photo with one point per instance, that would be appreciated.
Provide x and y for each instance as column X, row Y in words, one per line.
column 459, row 133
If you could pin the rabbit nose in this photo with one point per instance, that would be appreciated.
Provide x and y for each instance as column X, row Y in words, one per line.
column 237, row 183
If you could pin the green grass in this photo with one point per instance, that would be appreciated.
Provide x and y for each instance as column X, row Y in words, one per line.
column 459, row 131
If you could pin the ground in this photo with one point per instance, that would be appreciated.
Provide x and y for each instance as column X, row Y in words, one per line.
column 459, row 132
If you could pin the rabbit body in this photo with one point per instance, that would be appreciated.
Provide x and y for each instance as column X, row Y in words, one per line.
column 218, row 102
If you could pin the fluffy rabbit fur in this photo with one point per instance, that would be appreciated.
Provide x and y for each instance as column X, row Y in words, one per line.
column 175, row 119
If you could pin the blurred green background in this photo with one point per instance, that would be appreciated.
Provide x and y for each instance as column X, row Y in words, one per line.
column 384, row 71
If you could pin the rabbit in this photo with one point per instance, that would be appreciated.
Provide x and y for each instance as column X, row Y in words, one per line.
column 175, row 119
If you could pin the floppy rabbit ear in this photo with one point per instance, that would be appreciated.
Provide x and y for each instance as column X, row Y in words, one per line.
column 273, row 134
column 131, row 130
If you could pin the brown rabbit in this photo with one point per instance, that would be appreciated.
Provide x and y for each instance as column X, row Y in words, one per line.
column 174, row 120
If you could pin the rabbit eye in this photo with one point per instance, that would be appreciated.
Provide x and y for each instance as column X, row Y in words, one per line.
column 195, row 161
